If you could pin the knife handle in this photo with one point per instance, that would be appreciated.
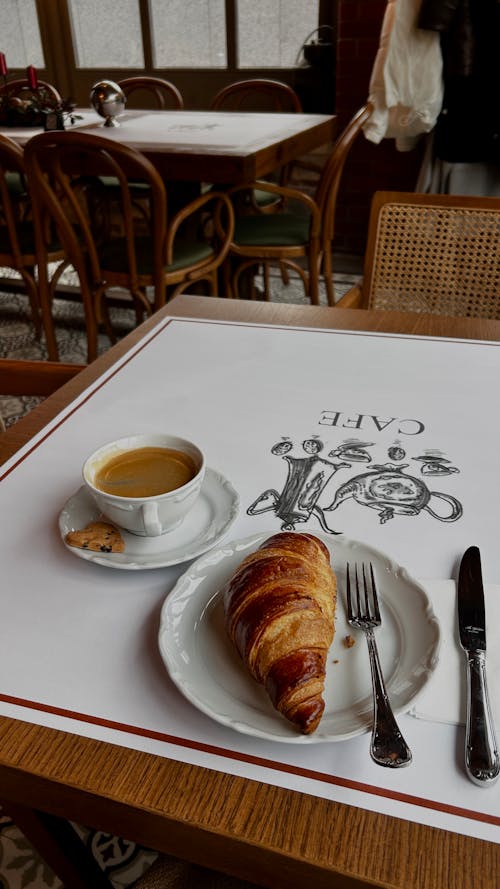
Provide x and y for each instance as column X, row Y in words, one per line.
column 481, row 753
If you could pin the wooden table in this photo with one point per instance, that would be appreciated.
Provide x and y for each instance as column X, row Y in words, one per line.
column 210, row 146
column 252, row 830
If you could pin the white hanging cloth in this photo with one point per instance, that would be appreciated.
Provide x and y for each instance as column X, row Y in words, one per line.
column 406, row 84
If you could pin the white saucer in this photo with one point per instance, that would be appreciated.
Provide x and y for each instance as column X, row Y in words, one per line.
column 210, row 518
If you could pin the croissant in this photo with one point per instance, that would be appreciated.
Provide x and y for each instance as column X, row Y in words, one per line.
column 279, row 608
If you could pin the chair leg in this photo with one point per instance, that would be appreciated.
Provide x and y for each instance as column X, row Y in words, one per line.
column 213, row 283
column 314, row 288
column 143, row 307
column 267, row 291
column 285, row 277
column 45, row 297
column 328, row 277
column 34, row 298
column 225, row 279
column 97, row 317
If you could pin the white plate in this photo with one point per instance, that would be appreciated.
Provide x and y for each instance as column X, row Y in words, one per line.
column 210, row 518
column 206, row 668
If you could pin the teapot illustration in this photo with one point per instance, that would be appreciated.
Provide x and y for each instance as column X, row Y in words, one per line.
column 391, row 491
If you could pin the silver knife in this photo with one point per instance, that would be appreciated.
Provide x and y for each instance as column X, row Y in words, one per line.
column 482, row 761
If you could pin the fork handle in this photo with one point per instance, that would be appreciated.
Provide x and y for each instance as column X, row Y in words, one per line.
column 388, row 747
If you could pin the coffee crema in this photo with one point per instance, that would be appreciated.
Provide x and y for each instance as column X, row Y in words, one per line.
column 145, row 472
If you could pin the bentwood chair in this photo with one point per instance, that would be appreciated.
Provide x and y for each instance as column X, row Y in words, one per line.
column 17, row 237
column 257, row 94
column 431, row 253
column 262, row 95
column 19, row 377
column 15, row 89
column 300, row 236
column 151, row 256
column 162, row 93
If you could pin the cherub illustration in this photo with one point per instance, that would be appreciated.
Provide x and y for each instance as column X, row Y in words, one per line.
column 307, row 478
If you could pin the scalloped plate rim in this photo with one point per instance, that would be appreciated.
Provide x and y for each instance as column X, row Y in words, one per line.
column 176, row 660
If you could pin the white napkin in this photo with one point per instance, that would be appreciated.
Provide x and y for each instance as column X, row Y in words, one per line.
column 443, row 699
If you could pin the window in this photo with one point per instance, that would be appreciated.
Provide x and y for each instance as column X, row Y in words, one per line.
column 106, row 33
column 201, row 45
column 270, row 33
column 189, row 33
column 20, row 34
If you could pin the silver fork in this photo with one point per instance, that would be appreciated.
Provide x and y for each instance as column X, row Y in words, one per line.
column 388, row 747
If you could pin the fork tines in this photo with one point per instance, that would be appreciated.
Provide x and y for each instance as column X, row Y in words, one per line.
column 366, row 600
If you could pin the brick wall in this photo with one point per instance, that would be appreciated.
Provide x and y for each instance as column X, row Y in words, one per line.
column 370, row 167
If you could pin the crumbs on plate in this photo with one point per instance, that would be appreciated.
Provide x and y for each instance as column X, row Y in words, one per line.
column 348, row 641
column 100, row 537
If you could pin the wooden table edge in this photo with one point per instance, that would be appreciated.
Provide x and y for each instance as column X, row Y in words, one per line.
column 223, row 821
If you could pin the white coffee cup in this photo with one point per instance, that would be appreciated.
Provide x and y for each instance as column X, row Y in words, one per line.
column 147, row 516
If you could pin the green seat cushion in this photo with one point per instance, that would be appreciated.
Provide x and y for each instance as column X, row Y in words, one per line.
column 113, row 254
column 111, row 184
column 264, row 198
column 15, row 185
column 274, row 230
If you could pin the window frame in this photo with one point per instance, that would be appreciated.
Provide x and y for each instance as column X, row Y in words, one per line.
column 196, row 85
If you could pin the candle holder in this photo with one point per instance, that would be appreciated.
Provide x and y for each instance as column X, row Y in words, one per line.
column 27, row 106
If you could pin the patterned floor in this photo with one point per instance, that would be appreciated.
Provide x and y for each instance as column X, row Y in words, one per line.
column 122, row 861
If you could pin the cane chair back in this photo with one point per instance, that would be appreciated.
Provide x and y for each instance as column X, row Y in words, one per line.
column 161, row 93
column 257, row 95
column 432, row 253
column 305, row 228
column 143, row 252
column 17, row 237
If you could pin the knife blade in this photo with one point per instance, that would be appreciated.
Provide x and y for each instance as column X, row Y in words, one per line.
column 482, row 761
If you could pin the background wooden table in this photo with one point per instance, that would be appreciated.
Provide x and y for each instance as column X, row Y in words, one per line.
column 209, row 146
column 255, row 831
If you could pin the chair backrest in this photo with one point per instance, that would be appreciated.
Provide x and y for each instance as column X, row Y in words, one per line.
column 433, row 253
column 163, row 93
column 78, row 206
column 329, row 182
column 39, row 378
column 13, row 196
column 257, row 95
column 19, row 376
column 10, row 87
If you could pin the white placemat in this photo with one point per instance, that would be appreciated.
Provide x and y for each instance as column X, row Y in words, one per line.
column 81, row 640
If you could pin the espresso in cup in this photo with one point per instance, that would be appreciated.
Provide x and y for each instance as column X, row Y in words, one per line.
column 147, row 483
column 145, row 472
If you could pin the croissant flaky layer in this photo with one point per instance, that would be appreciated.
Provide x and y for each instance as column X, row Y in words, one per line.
column 279, row 609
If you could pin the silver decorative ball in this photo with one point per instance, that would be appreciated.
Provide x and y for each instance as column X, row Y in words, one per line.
column 109, row 100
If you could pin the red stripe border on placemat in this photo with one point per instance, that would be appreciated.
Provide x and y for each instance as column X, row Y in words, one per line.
column 348, row 783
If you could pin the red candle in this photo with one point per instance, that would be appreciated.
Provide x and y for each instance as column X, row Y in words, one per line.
column 32, row 78
column 3, row 65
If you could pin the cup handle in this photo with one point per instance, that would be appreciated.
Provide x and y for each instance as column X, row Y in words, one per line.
column 151, row 519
